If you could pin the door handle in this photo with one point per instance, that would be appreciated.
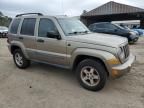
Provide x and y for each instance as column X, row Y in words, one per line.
column 21, row 38
column 40, row 40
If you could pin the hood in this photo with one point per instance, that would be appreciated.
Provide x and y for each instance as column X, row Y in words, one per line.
column 99, row 39
column 3, row 30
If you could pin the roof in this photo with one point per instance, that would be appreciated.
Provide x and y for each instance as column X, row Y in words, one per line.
column 102, row 23
column 113, row 8
column 35, row 15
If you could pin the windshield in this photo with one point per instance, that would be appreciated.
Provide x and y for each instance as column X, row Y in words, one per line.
column 73, row 26
column 126, row 28
column 118, row 26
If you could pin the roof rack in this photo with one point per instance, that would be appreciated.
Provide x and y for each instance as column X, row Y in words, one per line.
column 39, row 14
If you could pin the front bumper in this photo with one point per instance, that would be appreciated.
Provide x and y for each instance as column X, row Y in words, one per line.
column 136, row 39
column 120, row 70
column 3, row 34
column 133, row 38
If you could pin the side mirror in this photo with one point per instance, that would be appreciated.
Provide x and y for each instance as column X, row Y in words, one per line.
column 54, row 34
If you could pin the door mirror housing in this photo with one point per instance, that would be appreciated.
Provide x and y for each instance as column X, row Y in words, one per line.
column 53, row 34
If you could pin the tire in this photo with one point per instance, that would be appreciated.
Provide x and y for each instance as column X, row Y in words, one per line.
column 99, row 75
column 24, row 61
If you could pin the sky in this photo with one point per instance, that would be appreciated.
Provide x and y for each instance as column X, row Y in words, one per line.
column 57, row 7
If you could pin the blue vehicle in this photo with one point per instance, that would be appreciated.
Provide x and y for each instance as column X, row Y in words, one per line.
column 114, row 29
column 140, row 31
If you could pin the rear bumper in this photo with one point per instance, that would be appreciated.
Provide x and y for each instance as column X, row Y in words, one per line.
column 120, row 70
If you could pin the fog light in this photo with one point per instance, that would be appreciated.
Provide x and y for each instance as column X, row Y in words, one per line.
column 115, row 73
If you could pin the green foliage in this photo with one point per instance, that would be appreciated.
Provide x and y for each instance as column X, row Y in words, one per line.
column 1, row 14
column 4, row 20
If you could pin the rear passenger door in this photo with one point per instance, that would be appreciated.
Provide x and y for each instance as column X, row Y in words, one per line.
column 27, row 36
column 49, row 48
column 13, row 30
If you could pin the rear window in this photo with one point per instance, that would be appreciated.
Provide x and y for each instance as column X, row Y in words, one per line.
column 91, row 27
column 28, row 26
column 14, row 26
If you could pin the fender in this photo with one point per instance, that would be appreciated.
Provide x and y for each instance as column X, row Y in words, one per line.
column 19, row 44
column 102, row 55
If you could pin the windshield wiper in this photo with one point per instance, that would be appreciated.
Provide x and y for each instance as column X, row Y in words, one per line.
column 76, row 32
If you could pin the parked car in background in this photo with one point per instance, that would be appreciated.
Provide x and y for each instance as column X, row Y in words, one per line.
column 139, row 30
column 67, row 43
column 3, row 31
column 131, row 30
column 114, row 29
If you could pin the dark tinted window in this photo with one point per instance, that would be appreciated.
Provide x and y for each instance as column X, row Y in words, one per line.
column 28, row 26
column 99, row 26
column 14, row 26
column 107, row 26
column 110, row 26
column 91, row 27
column 46, row 25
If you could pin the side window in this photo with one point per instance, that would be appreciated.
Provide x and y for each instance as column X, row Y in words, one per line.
column 28, row 26
column 45, row 26
column 14, row 26
column 110, row 26
column 99, row 26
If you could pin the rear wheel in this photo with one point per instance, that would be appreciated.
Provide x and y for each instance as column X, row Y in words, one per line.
column 91, row 74
column 20, row 60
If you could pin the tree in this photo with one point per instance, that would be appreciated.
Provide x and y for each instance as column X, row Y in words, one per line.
column 1, row 14
column 84, row 11
column 4, row 20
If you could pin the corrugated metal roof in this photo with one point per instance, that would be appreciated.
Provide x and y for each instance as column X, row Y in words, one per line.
column 113, row 8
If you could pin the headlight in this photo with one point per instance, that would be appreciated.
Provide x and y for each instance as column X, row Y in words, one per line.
column 132, row 33
column 121, row 54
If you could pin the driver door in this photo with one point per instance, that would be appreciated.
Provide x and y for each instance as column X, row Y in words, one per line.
column 50, row 49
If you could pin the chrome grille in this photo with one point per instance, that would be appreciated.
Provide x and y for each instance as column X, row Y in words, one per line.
column 126, row 50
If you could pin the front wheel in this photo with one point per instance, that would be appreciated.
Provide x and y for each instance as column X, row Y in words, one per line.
column 91, row 74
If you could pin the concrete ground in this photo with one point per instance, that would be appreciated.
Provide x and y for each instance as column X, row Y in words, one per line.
column 44, row 86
